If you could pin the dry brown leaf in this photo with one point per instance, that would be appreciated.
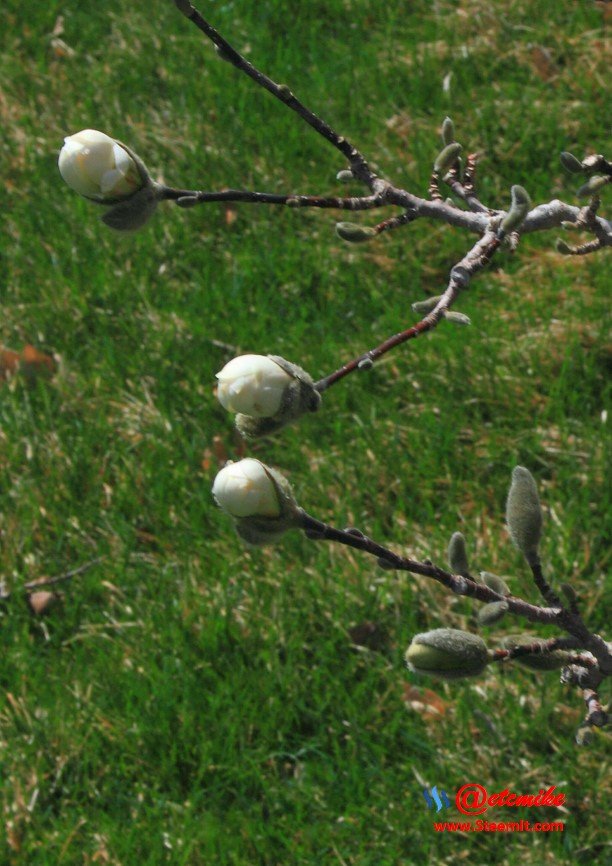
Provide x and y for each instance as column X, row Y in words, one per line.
column 543, row 63
column 40, row 602
column 31, row 362
column 424, row 701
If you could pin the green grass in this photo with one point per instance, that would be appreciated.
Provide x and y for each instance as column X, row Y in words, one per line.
column 194, row 702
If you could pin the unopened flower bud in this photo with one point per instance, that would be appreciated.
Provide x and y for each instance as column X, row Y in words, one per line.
column 457, row 318
column 267, row 392
column 353, row 233
column 98, row 167
column 448, row 653
column 246, row 489
column 519, row 208
column 447, row 157
column 108, row 172
column 258, row 498
column 497, row 584
column 491, row 613
column 427, row 305
column 537, row 661
column 570, row 163
column 457, row 555
column 252, row 384
column 345, row 175
column 448, row 131
column 523, row 514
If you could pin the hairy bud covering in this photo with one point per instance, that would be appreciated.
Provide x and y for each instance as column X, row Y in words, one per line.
column 523, row 514
column 457, row 554
column 448, row 653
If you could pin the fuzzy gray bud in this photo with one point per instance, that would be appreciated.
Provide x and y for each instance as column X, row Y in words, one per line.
column 345, row 175
column 570, row 163
column 447, row 653
column 523, row 514
column 448, row 131
column 457, row 555
column 427, row 305
column 353, row 233
column 457, row 318
column 497, row 584
column 447, row 157
column 492, row 612
column 519, row 208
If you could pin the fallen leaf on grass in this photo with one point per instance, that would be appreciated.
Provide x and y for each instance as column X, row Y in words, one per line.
column 32, row 363
column 424, row 701
column 542, row 62
column 40, row 602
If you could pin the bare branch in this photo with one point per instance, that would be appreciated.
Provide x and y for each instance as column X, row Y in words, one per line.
column 192, row 197
column 476, row 259
column 458, row 584
column 357, row 161
column 60, row 578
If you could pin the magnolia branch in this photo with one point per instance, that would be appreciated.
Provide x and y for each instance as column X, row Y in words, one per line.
column 357, row 162
column 476, row 259
column 600, row 659
column 317, row 530
column 477, row 219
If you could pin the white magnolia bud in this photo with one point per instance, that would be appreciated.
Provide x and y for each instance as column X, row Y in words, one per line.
column 98, row 167
column 245, row 489
column 253, row 385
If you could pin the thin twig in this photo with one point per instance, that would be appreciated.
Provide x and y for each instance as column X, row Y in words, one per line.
column 395, row 222
column 317, row 530
column 476, row 220
column 357, row 161
column 460, row 275
column 546, row 591
column 68, row 575
column 191, row 197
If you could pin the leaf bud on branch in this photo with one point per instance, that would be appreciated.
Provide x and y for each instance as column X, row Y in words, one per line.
column 519, row 208
column 354, row 233
column 447, row 158
column 457, row 555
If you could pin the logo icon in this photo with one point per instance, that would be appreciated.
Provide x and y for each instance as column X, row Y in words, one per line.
column 436, row 798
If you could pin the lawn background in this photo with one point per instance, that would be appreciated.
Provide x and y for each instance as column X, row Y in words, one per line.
column 194, row 702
